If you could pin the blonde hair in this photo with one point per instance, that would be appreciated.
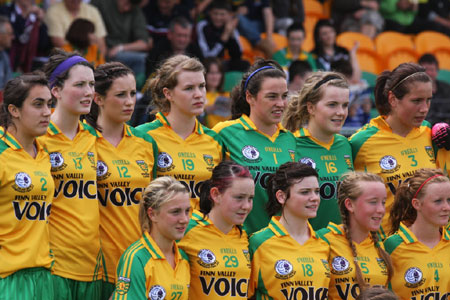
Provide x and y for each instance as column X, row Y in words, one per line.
column 350, row 188
column 296, row 114
column 157, row 193
column 402, row 210
column 166, row 76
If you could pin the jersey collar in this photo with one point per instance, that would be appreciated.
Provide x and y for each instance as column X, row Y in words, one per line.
column 339, row 230
column 279, row 230
column 301, row 56
column 126, row 131
column 53, row 129
column 408, row 236
column 163, row 119
column 154, row 249
column 248, row 124
column 205, row 221
column 304, row 132
column 380, row 122
column 13, row 143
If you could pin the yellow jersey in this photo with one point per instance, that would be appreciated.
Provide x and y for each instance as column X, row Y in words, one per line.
column 284, row 269
column 343, row 284
column 123, row 172
column 144, row 273
column 26, row 194
column 75, row 219
column 376, row 149
column 189, row 161
column 220, row 263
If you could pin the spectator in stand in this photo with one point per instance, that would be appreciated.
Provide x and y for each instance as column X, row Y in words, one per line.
column 438, row 12
column 81, row 38
column 256, row 17
column 218, row 34
column 30, row 33
column 285, row 12
column 61, row 14
column 6, row 37
column 326, row 51
column 127, row 39
column 403, row 16
column 440, row 103
column 160, row 13
column 299, row 70
column 295, row 36
column 178, row 42
column 358, row 16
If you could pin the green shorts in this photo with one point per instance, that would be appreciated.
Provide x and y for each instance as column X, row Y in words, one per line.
column 107, row 290
column 32, row 284
column 69, row 289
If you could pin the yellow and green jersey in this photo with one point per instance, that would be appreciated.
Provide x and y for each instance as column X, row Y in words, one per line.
column 189, row 161
column 443, row 160
column 144, row 273
column 262, row 154
column 123, row 172
column 220, row 263
column 75, row 219
column 419, row 272
column 343, row 284
column 282, row 269
column 376, row 149
column 26, row 194
column 330, row 160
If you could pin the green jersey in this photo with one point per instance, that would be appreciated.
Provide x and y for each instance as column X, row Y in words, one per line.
column 262, row 154
column 330, row 160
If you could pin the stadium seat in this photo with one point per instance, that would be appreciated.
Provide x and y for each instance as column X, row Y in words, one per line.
column 314, row 8
column 348, row 39
column 247, row 49
column 280, row 40
column 389, row 41
column 369, row 61
column 444, row 75
column 231, row 79
column 443, row 57
column 370, row 77
column 308, row 43
column 430, row 41
column 401, row 55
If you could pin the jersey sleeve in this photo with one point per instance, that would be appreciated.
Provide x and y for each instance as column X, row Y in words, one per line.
column 131, row 278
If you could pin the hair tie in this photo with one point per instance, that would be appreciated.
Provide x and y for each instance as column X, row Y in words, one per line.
column 421, row 186
column 254, row 72
column 325, row 80
column 64, row 66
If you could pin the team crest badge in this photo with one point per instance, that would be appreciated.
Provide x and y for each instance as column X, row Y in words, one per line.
column 308, row 161
column 326, row 266
column 292, row 154
column 389, row 164
column 144, row 168
column 382, row 265
column 102, row 171
column 284, row 269
column 207, row 258
column 209, row 160
column 165, row 162
column 22, row 183
column 122, row 285
column 157, row 292
column 348, row 161
column 340, row 265
column 251, row 154
column 247, row 257
column 57, row 161
column 91, row 157
column 414, row 277
column 430, row 153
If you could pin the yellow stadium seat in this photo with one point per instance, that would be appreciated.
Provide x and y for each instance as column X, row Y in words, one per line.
column 429, row 41
column 308, row 43
column 369, row 61
column 443, row 57
column 401, row 55
column 247, row 49
column 314, row 8
column 389, row 41
column 280, row 40
column 348, row 39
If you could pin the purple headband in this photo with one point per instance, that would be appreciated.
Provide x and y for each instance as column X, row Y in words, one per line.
column 64, row 66
column 254, row 72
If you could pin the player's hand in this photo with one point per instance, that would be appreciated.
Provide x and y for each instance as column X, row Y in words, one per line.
column 440, row 134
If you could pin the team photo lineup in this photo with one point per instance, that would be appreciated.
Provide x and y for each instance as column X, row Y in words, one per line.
column 148, row 155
